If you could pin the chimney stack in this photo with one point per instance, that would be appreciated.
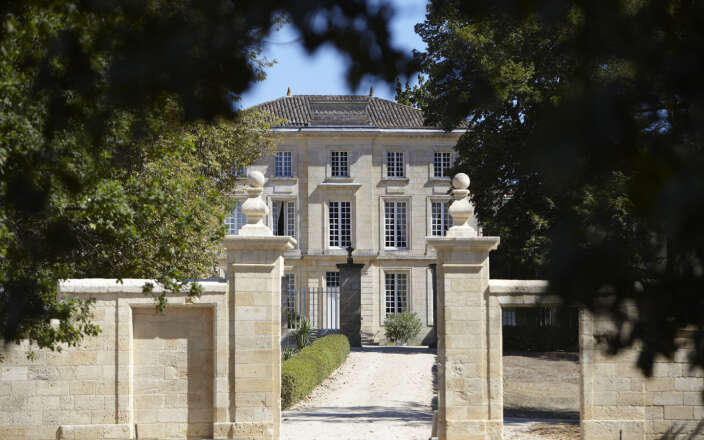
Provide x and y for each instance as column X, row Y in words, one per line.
column 371, row 91
column 288, row 92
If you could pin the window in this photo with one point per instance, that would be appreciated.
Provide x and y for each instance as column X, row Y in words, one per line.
column 239, row 171
column 332, row 280
column 396, row 288
column 282, row 165
column 284, row 218
column 441, row 220
column 441, row 164
column 289, row 286
column 394, row 164
column 340, row 224
column 395, row 225
column 235, row 220
column 339, row 166
column 508, row 317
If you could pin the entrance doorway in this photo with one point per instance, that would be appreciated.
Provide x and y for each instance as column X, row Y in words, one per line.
column 541, row 373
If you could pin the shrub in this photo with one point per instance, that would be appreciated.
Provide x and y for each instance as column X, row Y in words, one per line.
column 400, row 327
column 301, row 373
column 287, row 353
column 303, row 334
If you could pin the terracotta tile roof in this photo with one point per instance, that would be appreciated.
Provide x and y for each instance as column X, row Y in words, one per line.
column 343, row 111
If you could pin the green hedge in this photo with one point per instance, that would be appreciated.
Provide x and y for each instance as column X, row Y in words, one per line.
column 301, row 373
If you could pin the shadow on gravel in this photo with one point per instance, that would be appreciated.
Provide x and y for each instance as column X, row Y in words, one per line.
column 411, row 413
column 393, row 350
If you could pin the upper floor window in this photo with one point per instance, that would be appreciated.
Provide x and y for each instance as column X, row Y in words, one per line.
column 395, row 225
column 396, row 289
column 283, row 165
column 239, row 171
column 394, row 164
column 339, row 165
column 441, row 164
column 441, row 220
column 284, row 218
column 340, row 224
column 235, row 220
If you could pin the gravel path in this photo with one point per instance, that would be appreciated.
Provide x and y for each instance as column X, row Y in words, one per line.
column 379, row 393
column 383, row 393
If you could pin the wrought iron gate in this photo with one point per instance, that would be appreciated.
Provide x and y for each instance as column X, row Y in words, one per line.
column 320, row 307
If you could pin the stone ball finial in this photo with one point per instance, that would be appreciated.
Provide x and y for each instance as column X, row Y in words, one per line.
column 460, row 181
column 256, row 179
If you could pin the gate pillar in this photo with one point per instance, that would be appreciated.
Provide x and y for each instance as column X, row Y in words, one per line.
column 254, row 266
column 470, row 402
column 351, row 300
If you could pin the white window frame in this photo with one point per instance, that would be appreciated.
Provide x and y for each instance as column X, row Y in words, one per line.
column 395, row 202
column 331, row 163
column 237, row 220
column 404, row 164
column 332, row 280
column 433, row 170
column 338, row 214
column 283, row 170
column 290, row 278
column 445, row 221
column 383, row 291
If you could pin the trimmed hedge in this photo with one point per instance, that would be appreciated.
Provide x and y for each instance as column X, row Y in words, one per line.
column 301, row 373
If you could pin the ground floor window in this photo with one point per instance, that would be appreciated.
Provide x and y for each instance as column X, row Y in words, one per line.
column 396, row 288
column 332, row 280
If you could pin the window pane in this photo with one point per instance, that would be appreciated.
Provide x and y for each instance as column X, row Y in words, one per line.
column 394, row 164
column 334, row 225
column 291, row 219
column 395, row 231
column 441, row 164
column 441, row 220
column 396, row 292
column 332, row 279
column 282, row 166
column 235, row 220
column 338, row 164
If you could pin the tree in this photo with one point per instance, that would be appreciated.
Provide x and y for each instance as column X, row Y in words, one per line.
column 585, row 150
column 117, row 136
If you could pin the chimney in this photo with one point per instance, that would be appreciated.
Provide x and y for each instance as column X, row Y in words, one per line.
column 371, row 91
column 288, row 92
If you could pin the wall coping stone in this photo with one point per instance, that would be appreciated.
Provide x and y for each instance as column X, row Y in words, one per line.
column 131, row 285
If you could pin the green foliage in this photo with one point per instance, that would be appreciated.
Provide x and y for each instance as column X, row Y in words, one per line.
column 117, row 137
column 303, row 372
column 585, row 150
column 401, row 327
column 287, row 353
column 303, row 334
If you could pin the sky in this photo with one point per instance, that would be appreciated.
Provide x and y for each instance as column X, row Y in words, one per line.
column 323, row 72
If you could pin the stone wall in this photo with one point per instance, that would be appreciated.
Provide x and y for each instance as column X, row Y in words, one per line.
column 159, row 371
column 619, row 402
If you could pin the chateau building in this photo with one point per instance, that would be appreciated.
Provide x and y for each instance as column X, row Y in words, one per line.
column 364, row 172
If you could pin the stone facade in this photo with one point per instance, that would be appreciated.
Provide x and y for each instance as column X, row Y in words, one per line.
column 311, row 187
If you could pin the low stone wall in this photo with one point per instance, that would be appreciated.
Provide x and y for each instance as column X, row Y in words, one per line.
column 617, row 401
column 161, row 372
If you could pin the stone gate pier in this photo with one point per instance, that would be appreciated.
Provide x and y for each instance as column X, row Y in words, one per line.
column 616, row 401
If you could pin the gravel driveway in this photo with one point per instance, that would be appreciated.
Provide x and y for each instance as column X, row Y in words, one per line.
column 382, row 393
column 379, row 393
